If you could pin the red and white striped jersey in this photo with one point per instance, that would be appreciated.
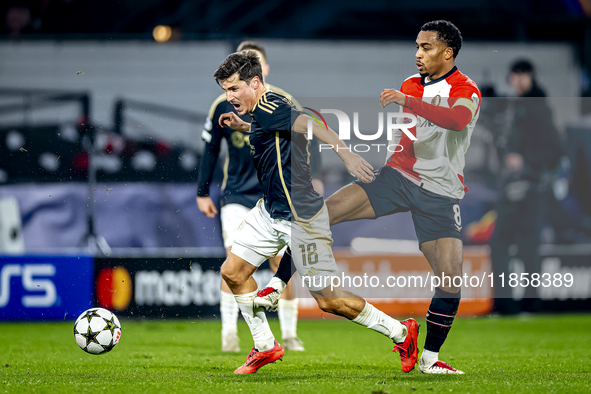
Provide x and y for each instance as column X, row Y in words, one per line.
column 435, row 161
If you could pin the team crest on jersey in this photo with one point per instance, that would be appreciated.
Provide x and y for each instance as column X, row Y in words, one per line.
column 239, row 139
column 436, row 100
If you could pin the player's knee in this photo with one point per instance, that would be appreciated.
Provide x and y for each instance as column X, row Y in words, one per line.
column 225, row 271
column 232, row 276
column 455, row 269
column 448, row 270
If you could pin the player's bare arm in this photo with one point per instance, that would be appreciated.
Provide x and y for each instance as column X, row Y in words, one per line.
column 356, row 165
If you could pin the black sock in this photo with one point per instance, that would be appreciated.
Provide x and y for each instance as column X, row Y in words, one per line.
column 440, row 317
column 286, row 268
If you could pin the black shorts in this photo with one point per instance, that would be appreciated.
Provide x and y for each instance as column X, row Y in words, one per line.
column 435, row 216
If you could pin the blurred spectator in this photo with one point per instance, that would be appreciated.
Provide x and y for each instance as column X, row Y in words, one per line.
column 529, row 149
column 17, row 19
column 533, row 145
column 21, row 17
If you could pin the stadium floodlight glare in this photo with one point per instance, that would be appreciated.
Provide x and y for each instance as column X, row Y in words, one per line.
column 162, row 33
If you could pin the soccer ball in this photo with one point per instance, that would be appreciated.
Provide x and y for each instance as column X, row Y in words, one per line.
column 97, row 331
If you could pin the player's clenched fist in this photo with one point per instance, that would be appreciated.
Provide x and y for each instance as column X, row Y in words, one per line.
column 390, row 96
column 234, row 122
column 358, row 167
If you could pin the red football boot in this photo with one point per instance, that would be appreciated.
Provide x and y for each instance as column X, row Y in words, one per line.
column 257, row 359
column 408, row 349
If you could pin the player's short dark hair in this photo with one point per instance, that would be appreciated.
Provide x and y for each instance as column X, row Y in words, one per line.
column 447, row 33
column 246, row 64
column 252, row 45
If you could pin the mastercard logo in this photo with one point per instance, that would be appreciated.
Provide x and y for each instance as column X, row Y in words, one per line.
column 113, row 288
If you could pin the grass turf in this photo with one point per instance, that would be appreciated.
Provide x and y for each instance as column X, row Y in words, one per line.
column 546, row 353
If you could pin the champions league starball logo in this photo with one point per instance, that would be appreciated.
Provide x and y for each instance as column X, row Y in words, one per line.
column 394, row 130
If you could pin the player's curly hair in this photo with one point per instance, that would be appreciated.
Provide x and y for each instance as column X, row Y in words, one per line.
column 246, row 64
column 447, row 33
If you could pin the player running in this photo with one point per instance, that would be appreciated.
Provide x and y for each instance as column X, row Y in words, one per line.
column 241, row 191
column 425, row 178
column 291, row 213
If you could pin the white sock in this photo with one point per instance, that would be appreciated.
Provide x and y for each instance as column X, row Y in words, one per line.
column 228, row 312
column 257, row 322
column 376, row 320
column 428, row 357
column 277, row 283
column 288, row 317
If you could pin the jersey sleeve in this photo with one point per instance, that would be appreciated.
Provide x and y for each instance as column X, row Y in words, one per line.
column 465, row 95
column 212, row 135
column 455, row 118
column 276, row 114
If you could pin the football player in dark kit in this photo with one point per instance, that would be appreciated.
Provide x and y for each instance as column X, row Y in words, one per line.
column 241, row 191
column 290, row 214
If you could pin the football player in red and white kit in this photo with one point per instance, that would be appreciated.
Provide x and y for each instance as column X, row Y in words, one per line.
column 425, row 178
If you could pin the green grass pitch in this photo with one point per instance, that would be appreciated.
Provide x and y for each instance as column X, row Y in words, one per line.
column 544, row 353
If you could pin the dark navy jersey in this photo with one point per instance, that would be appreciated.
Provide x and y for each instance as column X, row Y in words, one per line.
column 282, row 159
column 240, row 185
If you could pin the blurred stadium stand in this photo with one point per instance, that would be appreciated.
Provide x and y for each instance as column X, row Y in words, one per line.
column 68, row 209
column 147, row 99
column 381, row 19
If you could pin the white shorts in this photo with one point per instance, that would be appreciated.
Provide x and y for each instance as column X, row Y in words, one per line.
column 260, row 237
column 231, row 216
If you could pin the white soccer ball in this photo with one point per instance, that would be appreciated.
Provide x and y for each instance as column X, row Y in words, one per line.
column 97, row 331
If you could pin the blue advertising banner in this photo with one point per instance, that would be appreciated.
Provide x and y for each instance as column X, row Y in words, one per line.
column 45, row 287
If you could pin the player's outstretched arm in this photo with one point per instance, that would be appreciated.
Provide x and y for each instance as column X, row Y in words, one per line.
column 234, row 122
column 455, row 118
column 356, row 165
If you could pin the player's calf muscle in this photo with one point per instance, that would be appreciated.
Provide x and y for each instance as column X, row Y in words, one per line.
column 338, row 306
column 339, row 302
